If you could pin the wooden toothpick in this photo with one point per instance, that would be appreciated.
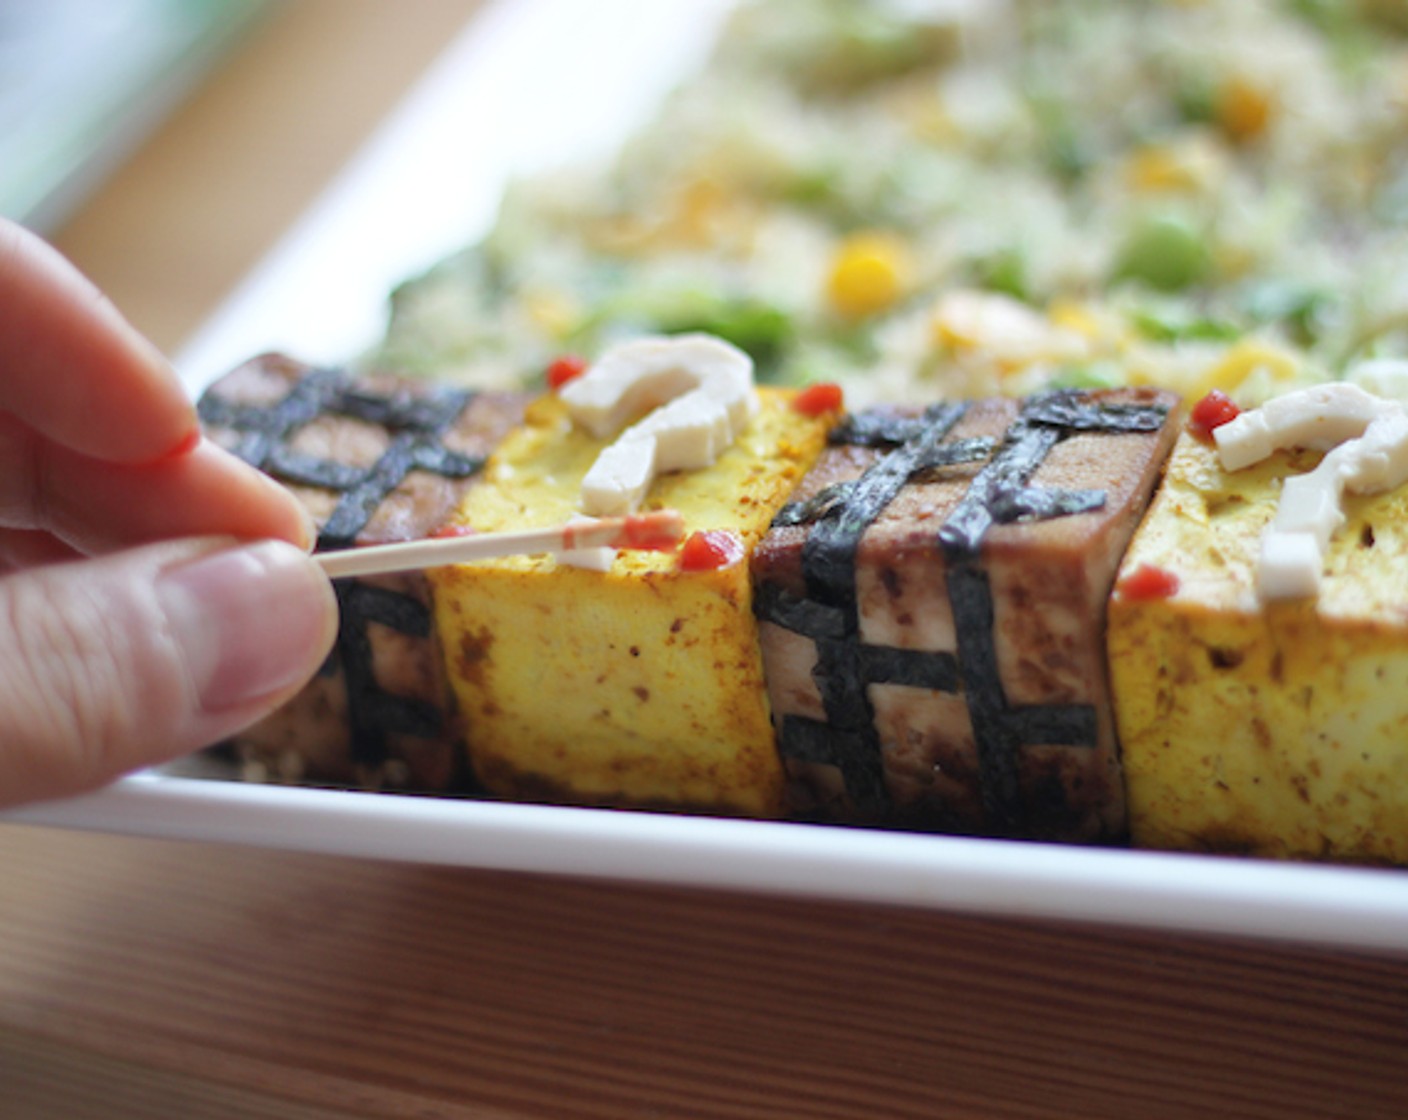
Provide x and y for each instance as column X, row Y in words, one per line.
column 658, row 530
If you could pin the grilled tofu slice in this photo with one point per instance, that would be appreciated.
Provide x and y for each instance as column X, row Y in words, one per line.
column 932, row 613
column 374, row 460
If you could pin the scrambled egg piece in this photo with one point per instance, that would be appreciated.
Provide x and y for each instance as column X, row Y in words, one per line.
column 1279, row 729
column 641, row 685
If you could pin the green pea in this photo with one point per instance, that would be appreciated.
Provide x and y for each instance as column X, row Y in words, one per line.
column 1302, row 310
column 1005, row 271
column 1096, row 375
column 1176, row 323
column 1166, row 252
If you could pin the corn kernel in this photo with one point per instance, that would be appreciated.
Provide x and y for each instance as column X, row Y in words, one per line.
column 1069, row 315
column 869, row 273
column 1240, row 361
column 1189, row 164
column 552, row 311
column 1155, row 169
column 1243, row 109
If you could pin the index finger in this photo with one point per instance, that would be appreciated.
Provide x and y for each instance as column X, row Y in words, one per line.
column 74, row 369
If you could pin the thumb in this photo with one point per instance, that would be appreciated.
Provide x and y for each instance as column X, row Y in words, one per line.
column 109, row 665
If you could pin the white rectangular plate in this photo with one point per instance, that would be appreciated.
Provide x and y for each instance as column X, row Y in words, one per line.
column 532, row 83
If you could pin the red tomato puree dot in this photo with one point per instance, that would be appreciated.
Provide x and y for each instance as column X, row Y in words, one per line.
column 1214, row 410
column 815, row 400
column 1148, row 582
column 451, row 530
column 565, row 369
column 710, row 549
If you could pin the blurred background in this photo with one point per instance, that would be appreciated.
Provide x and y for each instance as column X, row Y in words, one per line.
column 82, row 81
column 165, row 145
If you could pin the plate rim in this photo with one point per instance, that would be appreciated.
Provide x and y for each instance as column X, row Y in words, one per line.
column 1346, row 907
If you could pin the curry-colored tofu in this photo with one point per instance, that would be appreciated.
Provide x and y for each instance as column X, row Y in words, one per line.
column 1277, row 729
column 641, row 685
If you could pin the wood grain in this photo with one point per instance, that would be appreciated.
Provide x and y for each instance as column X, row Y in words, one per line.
column 43, row 1079
column 382, row 990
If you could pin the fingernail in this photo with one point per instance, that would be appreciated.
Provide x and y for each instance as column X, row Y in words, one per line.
column 300, row 527
column 305, row 529
column 249, row 621
column 307, row 526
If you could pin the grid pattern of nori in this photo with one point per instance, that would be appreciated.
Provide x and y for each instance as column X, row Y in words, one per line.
column 416, row 425
column 829, row 615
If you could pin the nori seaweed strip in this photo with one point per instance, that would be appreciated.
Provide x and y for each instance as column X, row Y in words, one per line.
column 1030, row 504
column 999, row 730
column 417, row 423
column 999, row 495
column 851, row 753
column 805, row 512
column 844, row 668
column 308, row 470
column 264, row 429
column 801, row 616
column 391, row 609
column 420, row 423
column 432, row 412
column 372, row 713
column 438, row 459
column 301, row 404
column 953, row 454
column 357, row 504
column 1021, row 453
column 370, row 488
column 997, row 746
column 839, row 493
column 917, row 668
column 1067, row 408
column 828, row 553
column 848, row 737
column 878, row 428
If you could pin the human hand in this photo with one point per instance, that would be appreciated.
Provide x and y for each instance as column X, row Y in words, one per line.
column 133, row 626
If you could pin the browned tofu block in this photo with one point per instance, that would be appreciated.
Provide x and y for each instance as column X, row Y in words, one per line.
column 374, row 460
column 932, row 608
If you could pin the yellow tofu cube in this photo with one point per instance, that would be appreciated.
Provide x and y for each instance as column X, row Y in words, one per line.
column 1278, row 729
column 641, row 685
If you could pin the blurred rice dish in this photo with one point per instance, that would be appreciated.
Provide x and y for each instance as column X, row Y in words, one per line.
column 961, row 198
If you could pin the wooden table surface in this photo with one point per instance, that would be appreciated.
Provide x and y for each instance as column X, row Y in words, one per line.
column 143, row 978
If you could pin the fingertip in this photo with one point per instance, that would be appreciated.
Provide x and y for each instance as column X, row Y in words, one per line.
column 131, row 660
column 252, row 622
column 206, row 491
column 273, row 508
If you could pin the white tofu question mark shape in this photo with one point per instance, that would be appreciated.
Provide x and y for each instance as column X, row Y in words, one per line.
column 697, row 394
column 1366, row 438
